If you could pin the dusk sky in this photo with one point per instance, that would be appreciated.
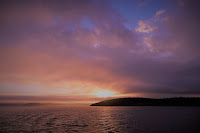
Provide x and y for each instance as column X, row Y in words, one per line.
column 89, row 50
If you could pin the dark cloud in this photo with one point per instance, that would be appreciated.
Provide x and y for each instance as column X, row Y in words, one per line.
column 184, row 28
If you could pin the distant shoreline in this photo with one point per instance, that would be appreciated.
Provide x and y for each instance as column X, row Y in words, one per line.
column 176, row 101
column 28, row 104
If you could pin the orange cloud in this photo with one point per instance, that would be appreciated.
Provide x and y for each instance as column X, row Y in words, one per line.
column 145, row 27
column 160, row 12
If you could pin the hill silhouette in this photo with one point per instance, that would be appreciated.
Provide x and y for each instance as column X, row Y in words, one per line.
column 176, row 101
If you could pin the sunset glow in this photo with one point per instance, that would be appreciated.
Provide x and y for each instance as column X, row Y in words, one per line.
column 105, row 93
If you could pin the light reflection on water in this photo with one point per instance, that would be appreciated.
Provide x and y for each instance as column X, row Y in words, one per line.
column 86, row 119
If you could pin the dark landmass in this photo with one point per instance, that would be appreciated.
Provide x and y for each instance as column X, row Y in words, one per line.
column 177, row 101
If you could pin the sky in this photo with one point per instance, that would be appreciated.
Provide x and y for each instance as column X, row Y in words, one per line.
column 83, row 51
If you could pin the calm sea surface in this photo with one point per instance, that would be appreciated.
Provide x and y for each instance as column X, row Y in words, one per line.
column 86, row 119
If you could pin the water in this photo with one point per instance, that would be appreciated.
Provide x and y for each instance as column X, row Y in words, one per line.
column 86, row 119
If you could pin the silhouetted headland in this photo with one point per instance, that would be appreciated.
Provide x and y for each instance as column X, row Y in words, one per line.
column 177, row 101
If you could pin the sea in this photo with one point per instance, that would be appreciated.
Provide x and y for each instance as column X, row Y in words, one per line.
column 99, row 119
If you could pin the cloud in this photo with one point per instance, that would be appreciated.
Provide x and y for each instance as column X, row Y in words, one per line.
column 186, row 32
column 171, row 35
column 160, row 12
column 56, row 55
column 175, row 53
column 151, row 28
column 151, row 25
column 145, row 27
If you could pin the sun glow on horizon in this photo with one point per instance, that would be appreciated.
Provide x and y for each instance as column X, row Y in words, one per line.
column 104, row 93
